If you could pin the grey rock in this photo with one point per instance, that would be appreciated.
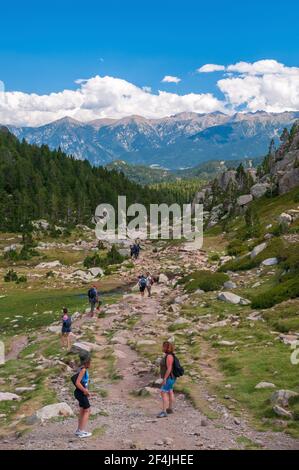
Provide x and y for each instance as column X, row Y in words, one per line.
column 258, row 249
column 282, row 397
column 259, row 190
column 282, row 412
column 244, row 200
column 263, row 385
column 270, row 262
column 230, row 285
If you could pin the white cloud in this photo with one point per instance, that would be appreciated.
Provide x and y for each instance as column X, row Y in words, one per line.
column 100, row 97
column 264, row 85
column 262, row 67
column 171, row 79
column 208, row 68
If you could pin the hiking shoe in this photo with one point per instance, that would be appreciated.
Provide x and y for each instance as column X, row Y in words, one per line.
column 78, row 432
column 162, row 415
column 169, row 411
column 83, row 434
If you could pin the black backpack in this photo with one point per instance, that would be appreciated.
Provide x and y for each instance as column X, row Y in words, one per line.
column 177, row 369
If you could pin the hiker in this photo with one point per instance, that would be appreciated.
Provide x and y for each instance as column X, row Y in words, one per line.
column 137, row 249
column 93, row 299
column 170, row 369
column 149, row 283
column 82, row 394
column 66, row 329
column 142, row 284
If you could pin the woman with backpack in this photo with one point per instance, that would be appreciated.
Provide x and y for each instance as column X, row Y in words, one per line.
column 81, row 393
column 170, row 369
column 66, row 329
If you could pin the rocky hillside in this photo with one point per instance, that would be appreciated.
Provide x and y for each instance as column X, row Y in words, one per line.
column 175, row 142
column 233, row 190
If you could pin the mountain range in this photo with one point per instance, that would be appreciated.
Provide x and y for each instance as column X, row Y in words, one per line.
column 180, row 141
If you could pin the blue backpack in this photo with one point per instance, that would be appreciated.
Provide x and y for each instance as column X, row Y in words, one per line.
column 92, row 294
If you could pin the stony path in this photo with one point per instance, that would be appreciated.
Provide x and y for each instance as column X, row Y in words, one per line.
column 124, row 421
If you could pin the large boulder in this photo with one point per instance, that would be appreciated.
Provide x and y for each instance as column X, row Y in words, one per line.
column 84, row 348
column 229, row 285
column 259, row 190
column 54, row 329
column 285, row 219
column 96, row 272
column 163, row 279
column 282, row 397
column 232, row 298
column 270, row 262
column 49, row 265
column 40, row 224
column 244, row 200
column 288, row 180
column 279, row 411
column 258, row 249
column 263, row 385
column 54, row 411
column 6, row 396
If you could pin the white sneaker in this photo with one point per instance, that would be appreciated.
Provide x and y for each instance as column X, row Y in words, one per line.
column 78, row 432
column 83, row 434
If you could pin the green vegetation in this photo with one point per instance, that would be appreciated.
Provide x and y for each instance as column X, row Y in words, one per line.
column 36, row 182
column 275, row 249
column 111, row 258
column 204, row 280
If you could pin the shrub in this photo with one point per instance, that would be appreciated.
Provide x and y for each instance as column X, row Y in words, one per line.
column 205, row 280
column 11, row 276
column 21, row 279
column 275, row 249
column 93, row 261
column 112, row 257
column 288, row 289
column 236, row 247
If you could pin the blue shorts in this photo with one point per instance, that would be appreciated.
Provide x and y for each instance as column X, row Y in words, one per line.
column 168, row 387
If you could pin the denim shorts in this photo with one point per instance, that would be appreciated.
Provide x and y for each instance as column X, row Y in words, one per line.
column 168, row 386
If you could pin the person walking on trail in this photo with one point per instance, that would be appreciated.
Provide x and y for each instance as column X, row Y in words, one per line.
column 149, row 283
column 170, row 369
column 142, row 284
column 93, row 298
column 66, row 329
column 81, row 393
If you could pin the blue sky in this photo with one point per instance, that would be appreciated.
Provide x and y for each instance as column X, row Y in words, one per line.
column 46, row 46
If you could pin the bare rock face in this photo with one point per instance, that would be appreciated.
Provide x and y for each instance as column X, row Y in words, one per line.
column 225, row 178
column 259, row 190
column 288, row 180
